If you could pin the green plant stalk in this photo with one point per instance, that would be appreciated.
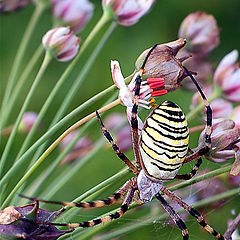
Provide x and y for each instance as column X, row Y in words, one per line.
column 22, row 160
column 48, row 151
column 18, row 59
column 43, row 183
column 42, row 69
column 65, row 75
column 50, row 170
column 17, row 89
column 64, row 178
column 70, row 95
column 149, row 219
column 75, row 87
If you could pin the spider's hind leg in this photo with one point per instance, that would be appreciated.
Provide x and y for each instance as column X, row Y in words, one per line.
column 174, row 216
column 119, row 213
column 115, row 198
column 193, row 212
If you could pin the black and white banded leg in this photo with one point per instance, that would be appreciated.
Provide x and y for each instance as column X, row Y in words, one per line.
column 174, row 216
column 115, row 147
column 193, row 212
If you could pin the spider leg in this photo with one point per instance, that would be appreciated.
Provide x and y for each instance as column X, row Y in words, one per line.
column 194, row 170
column 115, row 147
column 208, row 110
column 174, row 216
column 193, row 212
column 117, row 214
column 134, row 120
column 95, row 204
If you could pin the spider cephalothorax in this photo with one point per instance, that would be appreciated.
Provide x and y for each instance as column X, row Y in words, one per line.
column 159, row 154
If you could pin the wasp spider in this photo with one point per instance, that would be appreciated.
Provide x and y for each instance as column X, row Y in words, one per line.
column 159, row 154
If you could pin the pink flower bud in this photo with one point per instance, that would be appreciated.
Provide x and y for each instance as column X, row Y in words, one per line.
column 27, row 122
column 227, row 76
column 12, row 5
column 80, row 149
column 61, row 43
column 201, row 31
column 123, row 135
column 224, row 133
column 221, row 108
column 75, row 13
column 128, row 12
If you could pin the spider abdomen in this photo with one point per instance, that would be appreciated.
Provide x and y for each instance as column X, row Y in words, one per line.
column 164, row 141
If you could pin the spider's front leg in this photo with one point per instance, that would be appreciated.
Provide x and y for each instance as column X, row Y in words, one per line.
column 208, row 114
column 134, row 120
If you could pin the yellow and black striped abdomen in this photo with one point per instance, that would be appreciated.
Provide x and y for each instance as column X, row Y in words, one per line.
column 164, row 141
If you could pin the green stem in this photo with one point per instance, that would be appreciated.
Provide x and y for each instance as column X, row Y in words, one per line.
column 192, row 115
column 64, row 178
column 22, row 160
column 201, row 177
column 47, row 152
column 18, row 60
column 17, row 89
column 42, row 69
column 71, row 93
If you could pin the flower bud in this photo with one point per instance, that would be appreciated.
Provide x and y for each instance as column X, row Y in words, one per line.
column 221, row 108
column 75, row 13
column 224, row 133
column 117, row 121
column 61, row 43
column 80, row 149
column 27, row 122
column 128, row 12
column 22, row 223
column 201, row 32
column 163, row 63
column 227, row 76
column 8, row 6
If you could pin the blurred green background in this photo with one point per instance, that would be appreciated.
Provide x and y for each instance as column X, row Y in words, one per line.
column 126, row 43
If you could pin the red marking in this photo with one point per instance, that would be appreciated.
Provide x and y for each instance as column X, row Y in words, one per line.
column 158, row 93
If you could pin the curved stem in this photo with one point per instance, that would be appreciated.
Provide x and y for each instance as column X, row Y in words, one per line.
column 17, row 89
column 53, row 145
column 18, row 59
column 42, row 69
